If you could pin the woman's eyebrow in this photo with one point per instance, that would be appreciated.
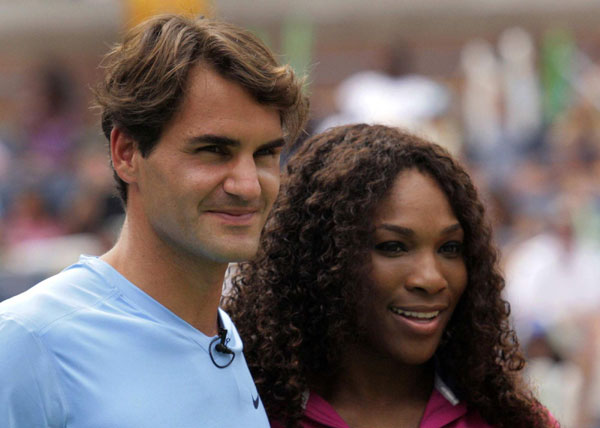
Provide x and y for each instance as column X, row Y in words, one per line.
column 452, row 228
column 401, row 230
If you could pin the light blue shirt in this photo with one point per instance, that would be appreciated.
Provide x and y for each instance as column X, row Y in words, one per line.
column 87, row 348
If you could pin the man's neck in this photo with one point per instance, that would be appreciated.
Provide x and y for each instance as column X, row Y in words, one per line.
column 187, row 286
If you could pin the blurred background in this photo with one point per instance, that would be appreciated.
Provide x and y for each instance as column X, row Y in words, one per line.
column 510, row 87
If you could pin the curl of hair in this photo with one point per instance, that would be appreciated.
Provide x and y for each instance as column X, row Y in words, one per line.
column 296, row 304
column 146, row 76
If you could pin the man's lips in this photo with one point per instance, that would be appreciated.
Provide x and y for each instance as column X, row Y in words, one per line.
column 234, row 211
column 234, row 215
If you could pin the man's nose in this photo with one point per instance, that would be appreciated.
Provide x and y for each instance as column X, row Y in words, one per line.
column 242, row 179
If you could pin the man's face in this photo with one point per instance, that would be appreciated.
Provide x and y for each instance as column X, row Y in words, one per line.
column 207, row 187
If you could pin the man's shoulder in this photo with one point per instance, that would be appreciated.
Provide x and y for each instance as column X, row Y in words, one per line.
column 75, row 288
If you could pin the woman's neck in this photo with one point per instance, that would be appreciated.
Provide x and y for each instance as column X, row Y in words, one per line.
column 372, row 389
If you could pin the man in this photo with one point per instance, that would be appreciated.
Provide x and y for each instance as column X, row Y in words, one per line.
column 196, row 112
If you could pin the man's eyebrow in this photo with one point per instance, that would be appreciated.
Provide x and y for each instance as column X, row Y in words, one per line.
column 218, row 140
column 278, row 142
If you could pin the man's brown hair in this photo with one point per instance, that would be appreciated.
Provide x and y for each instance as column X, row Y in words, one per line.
column 146, row 76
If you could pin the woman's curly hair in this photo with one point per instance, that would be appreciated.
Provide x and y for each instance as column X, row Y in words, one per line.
column 296, row 304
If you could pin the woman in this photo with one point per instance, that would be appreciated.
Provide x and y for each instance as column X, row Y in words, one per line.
column 375, row 298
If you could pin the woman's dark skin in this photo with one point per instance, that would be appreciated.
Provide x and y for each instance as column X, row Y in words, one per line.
column 302, row 305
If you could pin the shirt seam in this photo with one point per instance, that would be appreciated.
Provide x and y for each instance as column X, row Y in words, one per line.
column 43, row 330
column 49, row 357
column 38, row 335
column 204, row 346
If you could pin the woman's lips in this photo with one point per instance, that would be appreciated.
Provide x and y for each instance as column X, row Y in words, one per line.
column 422, row 321
column 415, row 314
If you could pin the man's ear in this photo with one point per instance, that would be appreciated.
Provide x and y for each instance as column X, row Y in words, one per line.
column 123, row 149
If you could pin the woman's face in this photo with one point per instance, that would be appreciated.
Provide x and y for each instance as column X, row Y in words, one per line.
column 418, row 270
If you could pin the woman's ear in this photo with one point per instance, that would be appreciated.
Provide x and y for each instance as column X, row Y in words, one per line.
column 123, row 148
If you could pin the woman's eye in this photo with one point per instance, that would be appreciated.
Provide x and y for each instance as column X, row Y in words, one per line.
column 453, row 248
column 391, row 247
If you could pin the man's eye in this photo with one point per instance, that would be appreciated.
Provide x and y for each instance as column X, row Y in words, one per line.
column 212, row 149
column 272, row 151
column 394, row 247
column 453, row 248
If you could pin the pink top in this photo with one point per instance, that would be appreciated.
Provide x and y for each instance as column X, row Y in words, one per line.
column 438, row 413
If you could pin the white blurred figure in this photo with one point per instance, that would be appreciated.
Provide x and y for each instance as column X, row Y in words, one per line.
column 521, row 88
column 481, row 98
column 552, row 284
column 412, row 102
column 558, row 382
column 552, row 277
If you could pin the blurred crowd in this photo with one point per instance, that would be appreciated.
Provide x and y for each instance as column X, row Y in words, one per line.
column 524, row 117
column 56, row 197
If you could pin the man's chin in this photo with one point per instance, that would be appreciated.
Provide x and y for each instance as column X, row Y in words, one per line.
column 238, row 258
column 236, row 255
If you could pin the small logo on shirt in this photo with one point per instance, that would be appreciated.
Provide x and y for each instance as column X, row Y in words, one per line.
column 255, row 401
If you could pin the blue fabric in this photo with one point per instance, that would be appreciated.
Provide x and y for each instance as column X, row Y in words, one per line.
column 87, row 348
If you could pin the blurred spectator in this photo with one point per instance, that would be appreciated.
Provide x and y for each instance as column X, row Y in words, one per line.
column 413, row 102
column 92, row 203
column 51, row 118
column 29, row 219
column 56, row 188
column 553, row 276
column 481, row 102
column 5, row 160
column 559, row 381
column 521, row 91
column 552, row 285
